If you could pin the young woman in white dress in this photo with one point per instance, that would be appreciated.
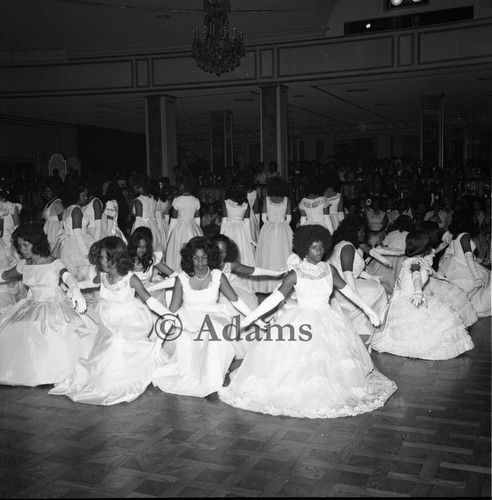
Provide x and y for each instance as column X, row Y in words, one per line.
column 126, row 353
column 460, row 265
column 42, row 336
column 52, row 214
column 419, row 325
column 325, row 372
column 439, row 286
column 92, row 211
column 314, row 209
column 334, row 199
column 377, row 222
column 143, row 208
column 109, row 219
column 74, row 241
column 9, row 216
column 393, row 243
column 275, row 240
column 347, row 258
column 161, row 206
column 207, row 345
column 235, row 222
column 184, row 223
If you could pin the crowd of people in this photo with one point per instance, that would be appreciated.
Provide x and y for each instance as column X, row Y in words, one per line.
column 106, row 292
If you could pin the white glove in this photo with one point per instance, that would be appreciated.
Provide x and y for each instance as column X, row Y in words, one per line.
column 340, row 216
column 375, row 255
column 327, row 221
column 418, row 295
column 370, row 277
column 79, row 239
column 155, row 306
column 267, row 305
column 387, row 251
column 138, row 221
column 351, row 295
column 268, row 272
column 470, row 261
column 288, row 218
column 166, row 217
column 303, row 221
column 97, row 235
column 348, row 276
column 160, row 285
column 223, row 224
column 264, row 218
column 77, row 298
column 172, row 224
column 197, row 220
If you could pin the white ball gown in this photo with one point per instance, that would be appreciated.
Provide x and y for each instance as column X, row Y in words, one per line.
column 434, row 332
column 161, row 209
column 372, row 293
column 73, row 256
column 124, row 357
column 185, row 229
column 42, row 336
column 313, row 208
column 331, row 375
column 394, row 240
column 234, row 228
column 147, row 219
column 453, row 265
column 274, row 245
column 333, row 202
column 202, row 356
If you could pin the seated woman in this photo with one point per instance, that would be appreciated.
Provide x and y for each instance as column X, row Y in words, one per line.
column 42, row 336
column 460, row 265
column 325, row 372
column 124, row 357
column 347, row 259
column 419, row 325
column 206, row 347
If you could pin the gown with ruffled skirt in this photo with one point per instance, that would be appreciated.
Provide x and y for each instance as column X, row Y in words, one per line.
column 42, row 336
column 202, row 356
column 433, row 332
column 125, row 354
column 327, row 376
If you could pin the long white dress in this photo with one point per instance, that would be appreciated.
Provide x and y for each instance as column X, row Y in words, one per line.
column 234, row 228
column 433, row 332
column 148, row 216
column 7, row 209
column 121, row 364
column 202, row 356
column 330, row 375
column 254, row 219
column 372, row 293
column 42, row 336
column 109, row 221
column 185, row 229
column 274, row 245
column 52, row 224
column 74, row 257
column 394, row 240
column 161, row 209
column 453, row 265
column 333, row 202
column 313, row 208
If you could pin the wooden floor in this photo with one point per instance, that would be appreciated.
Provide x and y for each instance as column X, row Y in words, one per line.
column 431, row 439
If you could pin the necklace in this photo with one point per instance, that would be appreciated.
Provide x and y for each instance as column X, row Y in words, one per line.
column 205, row 277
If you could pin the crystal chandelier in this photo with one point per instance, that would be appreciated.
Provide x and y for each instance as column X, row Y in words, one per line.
column 217, row 52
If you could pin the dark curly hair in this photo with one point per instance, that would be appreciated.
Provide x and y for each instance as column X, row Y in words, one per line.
column 70, row 194
column 404, row 223
column 237, row 193
column 142, row 233
column 116, row 251
column 232, row 249
column 306, row 235
column 432, row 229
column 34, row 234
column 417, row 242
column 276, row 186
column 348, row 230
column 199, row 243
column 462, row 222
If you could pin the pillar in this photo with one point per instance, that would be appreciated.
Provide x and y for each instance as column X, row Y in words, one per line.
column 432, row 129
column 162, row 136
column 274, row 114
column 221, row 144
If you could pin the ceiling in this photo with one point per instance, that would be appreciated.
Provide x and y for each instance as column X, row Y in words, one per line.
column 34, row 29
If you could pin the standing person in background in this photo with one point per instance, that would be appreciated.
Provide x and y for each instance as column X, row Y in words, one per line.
column 275, row 241
column 334, row 199
column 52, row 214
column 160, row 207
column 184, row 223
column 254, row 209
column 93, row 210
column 313, row 208
column 9, row 216
column 377, row 222
column 116, row 212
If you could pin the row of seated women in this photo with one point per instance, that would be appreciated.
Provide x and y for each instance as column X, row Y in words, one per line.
column 127, row 354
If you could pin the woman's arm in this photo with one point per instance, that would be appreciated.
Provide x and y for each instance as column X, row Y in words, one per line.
column 137, row 208
column 239, row 268
column 163, row 268
column 246, row 214
column 418, row 295
column 177, row 298
column 10, row 274
column 16, row 217
column 227, row 290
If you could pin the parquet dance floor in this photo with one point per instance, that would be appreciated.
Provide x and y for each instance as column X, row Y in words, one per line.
column 431, row 439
